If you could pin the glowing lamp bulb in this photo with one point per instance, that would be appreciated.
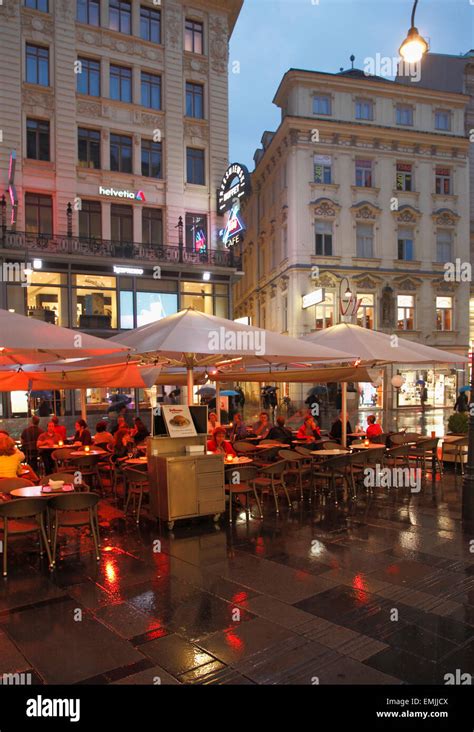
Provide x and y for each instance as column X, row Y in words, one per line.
column 87, row 448
column 413, row 47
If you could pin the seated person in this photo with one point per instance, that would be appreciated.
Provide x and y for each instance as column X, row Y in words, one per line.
column 373, row 429
column 10, row 457
column 29, row 437
column 336, row 429
column 102, row 437
column 59, row 429
column 82, row 436
column 139, row 432
column 280, row 433
column 263, row 426
column 122, row 444
column 212, row 423
column 120, row 424
column 239, row 428
column 219, row 444
column 47, row 439
column 309, row 430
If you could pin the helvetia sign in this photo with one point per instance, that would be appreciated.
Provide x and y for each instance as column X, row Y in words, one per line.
column 122, row 193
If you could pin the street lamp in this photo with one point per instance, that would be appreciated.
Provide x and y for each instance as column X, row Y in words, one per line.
column 414, row 46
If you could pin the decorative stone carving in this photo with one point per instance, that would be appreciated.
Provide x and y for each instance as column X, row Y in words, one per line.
column 326, row 279
column 65, row 8
column 273, row 291
column 10, row 11
column 218, row 45
column 131, row 47
column 387, row 308
column 409, row 284
column 284, row 213
column 445, row 217
column 173, row 25
column 105, row 134
column 366, row 282
column 441, row 285
column 39, row 98
column 89, row 109
column 293, row 137
column 194, row 130
column 283, row 282
column 325, row 208
column 365, row 211
column 31, row 23
column 199, row 65
column 137, row 138
column 151, row 120
column 407, row 215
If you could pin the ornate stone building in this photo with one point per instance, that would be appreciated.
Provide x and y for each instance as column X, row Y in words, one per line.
column 364, row 179
column 114, row 119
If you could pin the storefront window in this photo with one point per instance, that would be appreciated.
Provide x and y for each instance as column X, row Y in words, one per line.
column 152, row 306
column 440, row 385
column 94, row 302
column 444, row 313
column 325, row 312
column 365, row 313
column 46, row 298
column 126, row 309
column 405, row 312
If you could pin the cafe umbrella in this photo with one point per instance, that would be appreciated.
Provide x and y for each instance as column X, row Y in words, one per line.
column 193, row 339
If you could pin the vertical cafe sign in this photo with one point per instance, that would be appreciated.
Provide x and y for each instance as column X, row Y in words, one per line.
column 234, row 188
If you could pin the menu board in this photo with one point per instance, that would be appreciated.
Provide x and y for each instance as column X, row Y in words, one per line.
column 178, row 420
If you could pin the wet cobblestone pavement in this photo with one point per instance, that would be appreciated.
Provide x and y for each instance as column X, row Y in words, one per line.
column 381, row 593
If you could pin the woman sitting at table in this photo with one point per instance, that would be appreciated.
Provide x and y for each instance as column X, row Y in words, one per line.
column 122, row 444
column 263, row 426
column 310, row 432
column 102, row 437
column 212, row 423
column 219, row 444
column 10, row 458
column 82, row 436
column 239, row 428
column 373, row 429
column 139, row 432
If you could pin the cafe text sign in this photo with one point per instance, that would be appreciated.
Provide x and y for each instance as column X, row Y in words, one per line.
column 121, row 193
column 235, row 185
column 314, row 298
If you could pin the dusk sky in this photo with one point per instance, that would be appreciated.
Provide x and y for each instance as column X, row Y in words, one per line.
column 272, row 36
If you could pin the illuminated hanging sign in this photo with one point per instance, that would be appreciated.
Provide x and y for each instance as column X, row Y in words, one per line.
column 231, row 234
column 118, row 193
column 235, row 185
column 314, row 298
column 127, row 270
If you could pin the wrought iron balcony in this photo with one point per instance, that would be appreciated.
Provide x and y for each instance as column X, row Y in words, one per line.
column 107, row 249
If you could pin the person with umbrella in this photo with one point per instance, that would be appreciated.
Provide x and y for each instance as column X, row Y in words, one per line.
column 461, row 404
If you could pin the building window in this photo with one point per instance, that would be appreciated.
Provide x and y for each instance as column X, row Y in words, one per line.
column 444, row 313
column 364, row 109
column 94, row 301
column 121, row 83
column 120, row 16
column 195, row 166
column 150, row 25
column 322, row 169
column 121, row 153
column 196, row 233
column 443, row 120
column 194, row 100
column 365, row 241
column 443, row 181
column 88, row 80
column 121, row 219
column 37, row 5
column 405, row 245
column 324, row 317
column 152, row 306
column 38, row 214
column 322, row 104
column 151, row 90
column 323, row 232
column 37, row 139
column 37, row 65
column 405, row 312
column 404, row 181
column 88, row 11
column 284, row 313
column 404, row 115
column 151, row 159
column 363, row 171
column 90, row 220
column 88, row 148
column 444, row 246
column 194, row 36
column 366, row 311
column 152, row 226
column 47, row 297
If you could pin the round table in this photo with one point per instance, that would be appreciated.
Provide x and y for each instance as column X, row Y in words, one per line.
column 356, row 434
column 35, row 491
column 367, row 447
column 269, row 445
column 83, row 453
column 329, row 453
column 242, row 460
column 137, row 461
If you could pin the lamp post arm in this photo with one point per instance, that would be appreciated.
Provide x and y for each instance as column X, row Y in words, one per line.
column 413, row 13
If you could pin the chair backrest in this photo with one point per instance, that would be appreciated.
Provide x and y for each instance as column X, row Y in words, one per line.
column 304, row 451
column 85, row 461
column 430, row 444
column 374, row 455
column 23, row 508
column 290, row 455
column 460, row 442
column 398, row 438
column 331, row 445
column 414, row 437
column 339, row 462
column 67, row 477
column 62, row 453
column 397, row 451
column 275, row 469
column 246, row 474
column 73, row 501
column 135, row 476
column 242, row 446
column 9, row 484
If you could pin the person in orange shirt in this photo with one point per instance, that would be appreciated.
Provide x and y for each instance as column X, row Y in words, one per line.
column 59, row 429
column 373, row 429
column 219, row 444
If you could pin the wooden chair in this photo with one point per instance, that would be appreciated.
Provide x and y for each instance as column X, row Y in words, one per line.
column 88, row 467
column 7, row 485
column 71, row 477
column 246, row 485
column 272, row 479
column 136, row 484
column 15, row 523
column 241, row 447
column 457, row 448
column 61, row 458
column 426, row 449
column 297, row 467
column 334, row 470
column 74, row 510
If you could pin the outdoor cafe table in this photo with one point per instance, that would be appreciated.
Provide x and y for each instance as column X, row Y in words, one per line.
column 242, row 460
column 136, row 461
column 36, row 491
column 367, row 447
column 83, row 453
column 271, row 443
column 329, row 453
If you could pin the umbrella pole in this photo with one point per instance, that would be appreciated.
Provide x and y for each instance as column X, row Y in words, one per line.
column 218, row 401
column 83, row 404
column 344, row 413
column 190, row 384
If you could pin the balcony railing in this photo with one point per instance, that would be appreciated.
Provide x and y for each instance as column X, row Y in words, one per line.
column 153, row 253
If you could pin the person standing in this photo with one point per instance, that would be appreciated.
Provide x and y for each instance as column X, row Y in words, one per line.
column 461, row 404
column 29, row 438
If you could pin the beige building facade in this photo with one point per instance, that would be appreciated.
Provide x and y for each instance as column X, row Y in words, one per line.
column 368, row 180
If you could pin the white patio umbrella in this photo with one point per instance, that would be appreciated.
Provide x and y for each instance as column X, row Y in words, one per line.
column 25, row 340
column 194, row 339
column 374, row 347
